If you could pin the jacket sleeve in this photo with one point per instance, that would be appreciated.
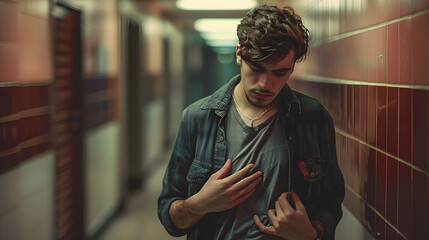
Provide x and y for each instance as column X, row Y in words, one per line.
column 328, row 210
column 174, row 184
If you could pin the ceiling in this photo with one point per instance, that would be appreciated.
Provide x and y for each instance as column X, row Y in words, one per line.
column 184, row 19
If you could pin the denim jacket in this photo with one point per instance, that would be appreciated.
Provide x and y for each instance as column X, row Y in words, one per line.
column 200, row 150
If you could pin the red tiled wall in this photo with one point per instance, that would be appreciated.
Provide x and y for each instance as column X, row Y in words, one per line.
column 25, row 76
column 369, row 65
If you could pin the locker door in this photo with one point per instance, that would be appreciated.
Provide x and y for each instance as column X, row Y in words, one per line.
column 68, row 122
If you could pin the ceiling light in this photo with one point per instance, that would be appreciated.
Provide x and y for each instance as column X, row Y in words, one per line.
column 217, row 24
column 218, row 32
column 215, row 5
column 219, row 35
column 222, row 43
column 227, row 39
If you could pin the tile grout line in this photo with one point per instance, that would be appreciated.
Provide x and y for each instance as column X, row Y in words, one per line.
column 321, row 79
column 397, row 144
column 412, row 188
column 375, row 210
column 45, row 138
column 25, row 84
column 368, row 28
column 32, row 112
column 341, row 132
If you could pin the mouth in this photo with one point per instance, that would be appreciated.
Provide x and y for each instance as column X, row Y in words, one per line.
column 262, row 95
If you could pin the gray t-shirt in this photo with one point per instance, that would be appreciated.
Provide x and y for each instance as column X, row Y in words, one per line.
column 265, row 147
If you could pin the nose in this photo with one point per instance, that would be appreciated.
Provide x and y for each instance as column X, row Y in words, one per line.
column 265, row 80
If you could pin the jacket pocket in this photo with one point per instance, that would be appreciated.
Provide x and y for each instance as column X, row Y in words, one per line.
column 309, row 181
column 197, row 175
column 311, row 170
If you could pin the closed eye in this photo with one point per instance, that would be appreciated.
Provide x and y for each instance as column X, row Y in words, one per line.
column 280, row 74
column 258, row 70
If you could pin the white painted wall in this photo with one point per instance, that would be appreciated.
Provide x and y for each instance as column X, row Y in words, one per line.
column 27, row 202
column 102, row 175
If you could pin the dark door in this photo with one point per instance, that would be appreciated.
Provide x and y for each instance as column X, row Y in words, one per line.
column 135, row 105
column 68, row 122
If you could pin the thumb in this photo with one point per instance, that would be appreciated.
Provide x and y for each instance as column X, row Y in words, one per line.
column 224, row 170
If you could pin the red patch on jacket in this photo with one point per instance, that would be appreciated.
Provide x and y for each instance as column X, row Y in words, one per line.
column 303, row 168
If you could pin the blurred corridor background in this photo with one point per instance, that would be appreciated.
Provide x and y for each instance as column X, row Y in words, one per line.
column 91, row 95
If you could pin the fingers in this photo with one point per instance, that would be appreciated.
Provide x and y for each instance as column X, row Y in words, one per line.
column 279, row 210
column 262, row 227
column 246, row 184
column 284, row 204
column 250, row 180
column 258, row 223
column 243, row 197
column 224, row 170
column 239, row 174
column 272, row 214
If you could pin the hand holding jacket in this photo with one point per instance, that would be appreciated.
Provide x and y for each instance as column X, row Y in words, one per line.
column 287, row 222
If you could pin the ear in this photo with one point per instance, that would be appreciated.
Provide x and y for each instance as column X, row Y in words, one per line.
column 238, row 54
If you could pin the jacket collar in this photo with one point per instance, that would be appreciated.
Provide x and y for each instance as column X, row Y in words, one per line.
column 219, row 101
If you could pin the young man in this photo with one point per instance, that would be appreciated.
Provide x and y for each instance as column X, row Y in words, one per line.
column 256, row 160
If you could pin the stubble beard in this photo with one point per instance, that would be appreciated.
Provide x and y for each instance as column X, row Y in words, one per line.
column 258, row 104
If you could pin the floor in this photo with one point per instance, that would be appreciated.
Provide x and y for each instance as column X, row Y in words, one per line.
column 139, row 220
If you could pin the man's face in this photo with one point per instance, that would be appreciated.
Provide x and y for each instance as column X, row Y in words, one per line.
column 263, row 82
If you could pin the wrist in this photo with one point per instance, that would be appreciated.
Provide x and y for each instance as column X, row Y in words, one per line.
column 183, row 214
column 193, row 205
column 319, row 228
column 312, row 234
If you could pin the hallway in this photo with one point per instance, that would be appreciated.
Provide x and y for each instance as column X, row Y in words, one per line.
column 139, row 220
column 92, row 94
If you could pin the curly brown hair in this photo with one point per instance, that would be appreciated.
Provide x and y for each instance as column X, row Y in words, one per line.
column 268, row 33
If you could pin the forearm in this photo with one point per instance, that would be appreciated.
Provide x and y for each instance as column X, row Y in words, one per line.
column 183, row 214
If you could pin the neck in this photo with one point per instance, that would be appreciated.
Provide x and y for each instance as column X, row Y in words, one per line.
column 248, row 112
